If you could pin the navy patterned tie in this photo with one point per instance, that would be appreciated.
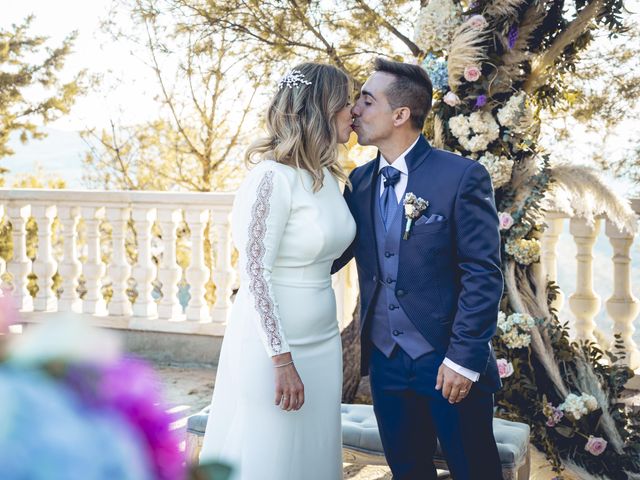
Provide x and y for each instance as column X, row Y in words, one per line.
column 389, row 201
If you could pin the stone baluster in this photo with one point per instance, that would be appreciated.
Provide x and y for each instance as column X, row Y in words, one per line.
column 145, row 270
column 93, row 268
column 197, row 273
column 3, row 263
column 622, row 306
column 223, row 272
column 45, row 265
column 20, row 265
column 584, row 302
column 119, row 270
column 549, row 256
column 169, row 273
column 70, row 266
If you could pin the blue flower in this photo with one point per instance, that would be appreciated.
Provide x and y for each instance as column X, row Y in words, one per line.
column 48, row 434
column 437, row 70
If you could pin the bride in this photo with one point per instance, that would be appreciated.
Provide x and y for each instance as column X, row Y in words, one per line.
column 275, row 413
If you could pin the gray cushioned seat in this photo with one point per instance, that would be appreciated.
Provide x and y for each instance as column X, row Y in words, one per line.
column 361, row 442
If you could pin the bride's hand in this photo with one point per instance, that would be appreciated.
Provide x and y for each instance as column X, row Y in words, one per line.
column 289, row 387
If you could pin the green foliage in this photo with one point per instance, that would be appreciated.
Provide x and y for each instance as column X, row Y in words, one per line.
column 27, row 62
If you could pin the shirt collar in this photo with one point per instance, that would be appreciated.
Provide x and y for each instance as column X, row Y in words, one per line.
column 400, row 163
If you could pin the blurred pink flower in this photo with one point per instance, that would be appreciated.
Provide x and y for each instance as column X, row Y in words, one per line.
column 506, row 220
column 505, row 368
column 472, row 73
column 477, row 21
column 8, row 313
column 595, row 445
column 451, row 99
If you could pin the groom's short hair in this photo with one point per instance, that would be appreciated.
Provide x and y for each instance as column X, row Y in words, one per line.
column 412, row 89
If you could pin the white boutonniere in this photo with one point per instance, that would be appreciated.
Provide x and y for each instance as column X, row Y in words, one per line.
column 413, row 208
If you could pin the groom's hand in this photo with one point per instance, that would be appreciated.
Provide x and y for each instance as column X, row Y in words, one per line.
column 455, row 387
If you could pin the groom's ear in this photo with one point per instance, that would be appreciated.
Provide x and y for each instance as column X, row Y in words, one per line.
column 401, row 115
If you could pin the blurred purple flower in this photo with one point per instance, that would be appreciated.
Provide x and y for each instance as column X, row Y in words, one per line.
column 555, row 417
column 512, row 36
column 481, row 101
column 130, row 388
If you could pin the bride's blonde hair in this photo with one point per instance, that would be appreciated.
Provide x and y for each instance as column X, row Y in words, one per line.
column 300, row 122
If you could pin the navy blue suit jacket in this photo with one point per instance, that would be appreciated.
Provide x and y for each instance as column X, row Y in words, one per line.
column 449, row 279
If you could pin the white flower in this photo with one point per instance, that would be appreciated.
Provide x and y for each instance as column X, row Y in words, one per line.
column 451, row 99
column 409, row 209
column 590, row 402
column 459, row 126
column 515, row 329
column 66, row 339
column 516, row 114
column 574, row 406
column 524, row 251
column 436, row 23
column 476, row 131
column 499, row 168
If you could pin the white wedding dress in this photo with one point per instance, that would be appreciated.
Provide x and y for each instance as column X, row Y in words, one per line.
column 287, row 238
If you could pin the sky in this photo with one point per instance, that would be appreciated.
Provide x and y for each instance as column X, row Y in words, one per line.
column 125, row 90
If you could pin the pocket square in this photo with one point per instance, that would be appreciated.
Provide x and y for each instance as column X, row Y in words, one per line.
column 423, row 220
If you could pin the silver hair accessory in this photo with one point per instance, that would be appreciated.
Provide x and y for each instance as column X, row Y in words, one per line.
column 294, row 78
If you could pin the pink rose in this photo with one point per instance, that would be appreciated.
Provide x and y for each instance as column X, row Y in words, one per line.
column 472, row 73
column 595, row 445
column 451, row 99
column 477, row 21
column 8, row 313
column 505, row 369
column 506, row 220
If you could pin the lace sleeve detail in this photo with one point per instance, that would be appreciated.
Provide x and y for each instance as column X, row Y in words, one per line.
column 258, row 285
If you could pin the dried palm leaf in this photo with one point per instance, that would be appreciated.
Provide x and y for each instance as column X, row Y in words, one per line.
column 579, row 191
column 466, row 50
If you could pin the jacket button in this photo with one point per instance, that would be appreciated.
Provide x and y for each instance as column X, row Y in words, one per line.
column 387, row 254
column 397, row 332
column 392, row 307
column 375, row 279
column 401, row 293
column 389, row 280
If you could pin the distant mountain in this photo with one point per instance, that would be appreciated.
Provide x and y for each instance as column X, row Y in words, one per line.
column 60, row 153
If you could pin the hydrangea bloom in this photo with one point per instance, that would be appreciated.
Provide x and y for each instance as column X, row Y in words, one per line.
column 436, row 68
column 524, row 251
column 436, row 24
column 499, row 168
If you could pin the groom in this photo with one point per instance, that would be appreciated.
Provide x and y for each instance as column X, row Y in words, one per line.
column 429, row 303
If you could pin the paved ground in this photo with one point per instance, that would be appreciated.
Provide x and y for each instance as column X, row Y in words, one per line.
column 189, row 390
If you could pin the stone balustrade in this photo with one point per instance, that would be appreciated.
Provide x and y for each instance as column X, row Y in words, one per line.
column 585, row 303
column 164, row 262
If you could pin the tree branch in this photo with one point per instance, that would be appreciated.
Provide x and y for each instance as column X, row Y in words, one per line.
column 415, row 50
column 542, row 64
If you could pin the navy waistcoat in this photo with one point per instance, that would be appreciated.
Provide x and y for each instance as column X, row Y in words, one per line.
column 390, row 325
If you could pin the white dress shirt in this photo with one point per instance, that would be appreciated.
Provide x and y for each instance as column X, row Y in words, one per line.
column 400, row 164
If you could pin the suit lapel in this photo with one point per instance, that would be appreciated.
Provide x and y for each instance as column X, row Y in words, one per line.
column 370, row 193
column 416, row 163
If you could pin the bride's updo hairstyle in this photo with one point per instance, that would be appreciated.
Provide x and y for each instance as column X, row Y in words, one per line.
column 300, row 121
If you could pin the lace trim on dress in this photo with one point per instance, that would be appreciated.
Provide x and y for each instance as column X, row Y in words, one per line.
column 258, row 285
